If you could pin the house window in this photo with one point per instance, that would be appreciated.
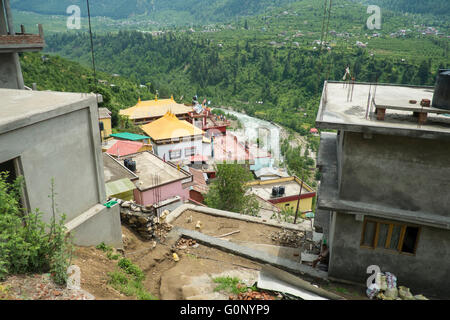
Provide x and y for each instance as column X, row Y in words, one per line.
column 389, row 235
column 175, row 154
column 190, row 151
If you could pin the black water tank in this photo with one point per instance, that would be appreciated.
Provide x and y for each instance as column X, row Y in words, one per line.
column 126, row 163
column 282, row 190
column 275, row 191
column 132, row 166
column 441, row 98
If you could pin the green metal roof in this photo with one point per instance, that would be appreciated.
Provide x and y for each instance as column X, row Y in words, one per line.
column 129, row 136
column 119, row 186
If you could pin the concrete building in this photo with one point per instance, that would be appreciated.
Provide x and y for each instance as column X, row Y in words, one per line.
column 270, row 173
column 203, row 118
column 176, row 140
column 11, row 43
column 228, row 149
column 148, row 111
column 119, row 179
column 158, row 180
column 37, row 131
column 294, row 190
column 383, row 197
column 104, row 118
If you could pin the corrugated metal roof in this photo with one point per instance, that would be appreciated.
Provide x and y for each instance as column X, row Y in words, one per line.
column 125, row 148
column 119, row 186
column 169, row 127
column 154, row 108
column 104, row 113
column 129, row 136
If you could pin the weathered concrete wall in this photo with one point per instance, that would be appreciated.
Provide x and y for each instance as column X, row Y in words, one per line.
column 60, row 148
column 427, row 272
column 10, row 71
column 104, row 227
column 400, row 172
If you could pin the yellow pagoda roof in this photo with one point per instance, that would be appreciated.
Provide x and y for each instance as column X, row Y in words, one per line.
column 155, row 108
column 170, row 127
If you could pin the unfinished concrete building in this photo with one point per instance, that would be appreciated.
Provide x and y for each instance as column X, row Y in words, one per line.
column 54, row 137
column 11, row 43
column 383, row 197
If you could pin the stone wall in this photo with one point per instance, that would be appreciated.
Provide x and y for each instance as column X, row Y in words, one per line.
column 144, row 219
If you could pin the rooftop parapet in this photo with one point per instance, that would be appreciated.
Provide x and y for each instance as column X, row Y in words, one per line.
column 382, row 109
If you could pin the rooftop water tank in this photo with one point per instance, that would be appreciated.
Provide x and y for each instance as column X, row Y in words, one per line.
column 441, row 98
column 275, row 191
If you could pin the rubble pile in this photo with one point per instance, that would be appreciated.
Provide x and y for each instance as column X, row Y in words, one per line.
column 144, row 219
column 252, row 295
column 385, row 288
column 288, row 238
column 183, row 244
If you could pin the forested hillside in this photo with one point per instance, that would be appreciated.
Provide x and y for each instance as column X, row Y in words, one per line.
column 58, row 74
column 202, row 10
column 288, row 80
column 436, row 7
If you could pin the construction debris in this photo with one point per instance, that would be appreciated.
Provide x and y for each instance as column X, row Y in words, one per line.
column 183, row 243
column 198, row 225
column 253, row 295
column 385, row 288
column 288, row 238
column 175, row 257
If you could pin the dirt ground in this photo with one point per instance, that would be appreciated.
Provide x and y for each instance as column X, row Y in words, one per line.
column 216, row 226
column 165, row 278
column 189, row 278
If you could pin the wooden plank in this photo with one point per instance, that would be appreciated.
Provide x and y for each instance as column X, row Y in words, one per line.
column 228, row 234
column 413, row 108
column 389, row 236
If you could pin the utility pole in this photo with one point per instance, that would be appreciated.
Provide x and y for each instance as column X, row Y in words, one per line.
column 298, row 202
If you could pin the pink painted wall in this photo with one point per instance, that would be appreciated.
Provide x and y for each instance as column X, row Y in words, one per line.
column 167, row 191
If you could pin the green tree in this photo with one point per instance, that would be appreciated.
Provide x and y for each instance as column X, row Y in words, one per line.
column 228, row 190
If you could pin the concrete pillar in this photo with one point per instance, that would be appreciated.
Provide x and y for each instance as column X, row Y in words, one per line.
column 3, row 28
column 10, row 71
column 9, row 17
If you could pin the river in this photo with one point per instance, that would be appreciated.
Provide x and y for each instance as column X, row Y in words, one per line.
column 253, row 128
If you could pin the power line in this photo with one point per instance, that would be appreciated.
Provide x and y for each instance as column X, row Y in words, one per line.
column 92, row 42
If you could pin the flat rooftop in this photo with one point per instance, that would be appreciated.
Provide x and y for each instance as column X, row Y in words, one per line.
column 20, row 108
column 263, row 189
column 153, row 171
column 340, row 111
column 115, row 170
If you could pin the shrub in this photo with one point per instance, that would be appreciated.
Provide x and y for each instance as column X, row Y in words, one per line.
column 27, row 244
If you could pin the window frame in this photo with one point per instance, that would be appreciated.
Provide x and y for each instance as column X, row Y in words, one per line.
column 391, row 224
column 173, row 151
column 192, row 151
